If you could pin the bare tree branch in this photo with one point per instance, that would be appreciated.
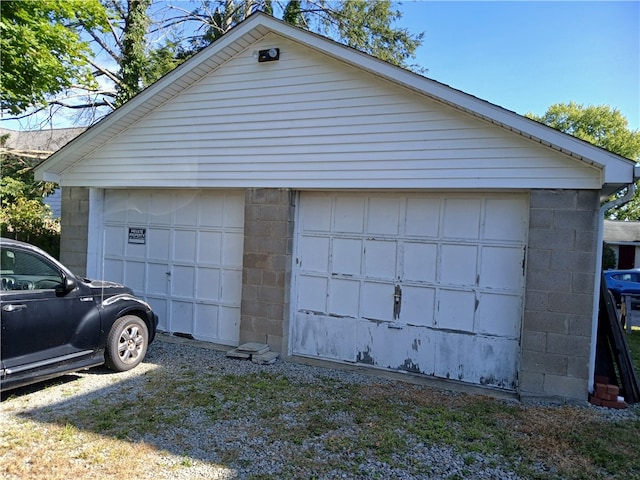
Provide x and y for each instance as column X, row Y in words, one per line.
column 118, row 7
column 102, row 43
column 80, row 106
column 108, row 73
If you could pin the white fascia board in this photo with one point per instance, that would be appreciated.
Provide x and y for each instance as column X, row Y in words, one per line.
column 48, row 177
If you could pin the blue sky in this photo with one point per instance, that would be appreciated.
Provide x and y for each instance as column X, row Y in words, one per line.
column 527, row 56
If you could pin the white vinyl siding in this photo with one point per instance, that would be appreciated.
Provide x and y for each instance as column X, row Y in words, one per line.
column 307, row 121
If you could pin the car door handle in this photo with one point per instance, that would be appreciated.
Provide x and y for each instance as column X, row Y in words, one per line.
column 13, row 307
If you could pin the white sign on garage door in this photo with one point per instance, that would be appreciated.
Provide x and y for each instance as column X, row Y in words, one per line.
column 182, row 252
column 430, row 284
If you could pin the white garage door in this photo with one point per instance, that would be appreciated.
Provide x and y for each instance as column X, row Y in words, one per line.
column 430, row 284
column 182, row 252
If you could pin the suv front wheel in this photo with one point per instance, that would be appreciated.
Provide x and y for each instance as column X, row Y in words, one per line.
column 127, row 343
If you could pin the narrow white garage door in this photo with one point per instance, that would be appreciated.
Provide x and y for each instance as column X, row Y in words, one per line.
column 182, row 251
column 430, row 284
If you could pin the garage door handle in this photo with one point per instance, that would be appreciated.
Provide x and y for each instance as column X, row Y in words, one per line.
column 13, row 307
column 397, row 302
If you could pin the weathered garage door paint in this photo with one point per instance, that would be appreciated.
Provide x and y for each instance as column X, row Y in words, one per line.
column 184, row 256
column 430, row 284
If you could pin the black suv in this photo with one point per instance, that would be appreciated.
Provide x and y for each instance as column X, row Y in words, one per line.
column 54, row 322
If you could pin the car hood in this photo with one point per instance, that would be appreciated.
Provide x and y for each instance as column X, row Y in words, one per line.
column 104, row 287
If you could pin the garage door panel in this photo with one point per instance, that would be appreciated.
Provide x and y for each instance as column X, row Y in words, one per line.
column 312, row 294
column 502, row 268
column 346, row 258
column 135, row 250
column 440, row 270
column 504, row 220
column 185, row 246
column 115, row 236
column 380, row 259
column 160, row 208
column 134, row 276
column 456, row 310
column 423, row 217
column 461, row 218
column 209, row 248
column 420, row 262
column 182, row 317
column 231, row 286
column 183, row 281
column 228, row 325
column 489, row 361
column 188, row 265
column 315, row 251
column 212, row 215
column 458, row 264
column 232, row 248
column 349, row 215
column 344, row 299
column 234, row 210
column 160, row 307
column 137, row 207
column 158, row 243
column 185, row 210
column 407, row 349
column 207, row 325
column 115, row 208
column 209, row 284
column 377, row 301
column 113, row 269
column 499, row 314
column 418, row 305
column 383, row 216
column 326, row 337
column 157, row 279
column 316, row 214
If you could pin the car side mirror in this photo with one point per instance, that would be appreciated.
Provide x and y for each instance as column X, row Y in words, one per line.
column 67, row 285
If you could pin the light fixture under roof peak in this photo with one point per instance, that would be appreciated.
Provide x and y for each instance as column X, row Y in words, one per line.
column 269, row 55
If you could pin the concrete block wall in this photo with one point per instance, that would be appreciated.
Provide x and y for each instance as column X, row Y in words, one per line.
column 266, row 274
column 74, row 231
column 556, row 334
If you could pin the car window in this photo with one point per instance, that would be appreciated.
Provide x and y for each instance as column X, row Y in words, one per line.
column 624, row 277
column 20, row 270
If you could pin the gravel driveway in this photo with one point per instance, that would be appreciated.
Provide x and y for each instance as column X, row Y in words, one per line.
column 239, row 448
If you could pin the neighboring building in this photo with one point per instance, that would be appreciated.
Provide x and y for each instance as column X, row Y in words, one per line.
column 43, row 142
column 338, row 207
column 38, row 145
column 624, row 238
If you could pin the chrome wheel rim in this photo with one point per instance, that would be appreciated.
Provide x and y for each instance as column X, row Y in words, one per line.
column 130, row 344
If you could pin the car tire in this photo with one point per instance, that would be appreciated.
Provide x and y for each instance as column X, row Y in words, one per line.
column 127, row 343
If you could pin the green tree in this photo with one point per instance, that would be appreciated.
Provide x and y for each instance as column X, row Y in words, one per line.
column 138, row 41
column 609, row 259
column 23, row 214
column 367, row 25
column 605, row 127
column 42, row 52
column 136, row 23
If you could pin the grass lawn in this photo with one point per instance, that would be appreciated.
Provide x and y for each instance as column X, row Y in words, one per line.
column 633, row 339
column 382, row 421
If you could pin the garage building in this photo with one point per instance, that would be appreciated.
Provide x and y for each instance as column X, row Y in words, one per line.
column 338, row 207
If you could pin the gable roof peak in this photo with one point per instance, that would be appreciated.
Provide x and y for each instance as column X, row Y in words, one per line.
column 258, row 25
